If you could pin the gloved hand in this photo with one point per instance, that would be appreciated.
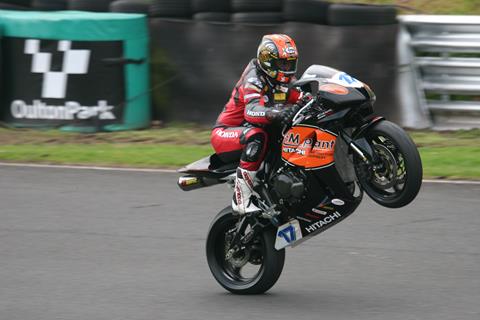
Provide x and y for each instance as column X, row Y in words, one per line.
column 306, row 98
column 282, row 115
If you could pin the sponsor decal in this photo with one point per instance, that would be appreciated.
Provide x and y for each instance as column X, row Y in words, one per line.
column 70, row 111
column 287, row 234
column 338, row 202
column 323, row 213
column 310, row 215
column 279, row 96
column 291, row 139
column 247, row 179
column 228, row 134
column 303, row 219
column 345, row 80
column 293, row 150
column 325, row 221
column 334, row 88
column 256, row 113
column 289, row 51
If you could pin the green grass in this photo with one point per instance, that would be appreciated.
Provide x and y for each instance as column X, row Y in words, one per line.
column 451, row 162
column 470, row 7
column 125, row 154
column 452, row 155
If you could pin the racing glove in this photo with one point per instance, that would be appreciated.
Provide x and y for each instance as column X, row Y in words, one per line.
column 282, row 115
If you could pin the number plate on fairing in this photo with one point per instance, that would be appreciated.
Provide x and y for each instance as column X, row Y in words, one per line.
column 288, row 234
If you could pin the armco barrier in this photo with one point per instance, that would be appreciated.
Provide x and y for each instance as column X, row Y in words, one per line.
column 196, row 64
column 443, row 54
column 79, row 71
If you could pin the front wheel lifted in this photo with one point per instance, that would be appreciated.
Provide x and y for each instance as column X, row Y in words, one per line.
column 395, row 180
column 251, row 269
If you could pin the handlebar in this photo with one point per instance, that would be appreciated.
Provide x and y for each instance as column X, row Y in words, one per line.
column 297, row 118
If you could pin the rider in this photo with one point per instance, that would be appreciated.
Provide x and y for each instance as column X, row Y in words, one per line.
column 261, row 97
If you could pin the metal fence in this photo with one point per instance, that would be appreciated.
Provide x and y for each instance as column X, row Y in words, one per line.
column 443, row 54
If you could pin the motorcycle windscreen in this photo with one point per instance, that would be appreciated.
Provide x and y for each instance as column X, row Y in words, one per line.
column 309, row 147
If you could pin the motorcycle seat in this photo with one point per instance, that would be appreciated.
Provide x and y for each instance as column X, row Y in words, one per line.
column 210, row 166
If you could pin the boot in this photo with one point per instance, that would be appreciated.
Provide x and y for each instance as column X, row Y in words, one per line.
column 241, row 202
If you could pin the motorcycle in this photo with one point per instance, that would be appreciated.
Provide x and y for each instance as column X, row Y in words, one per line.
column 313, row 177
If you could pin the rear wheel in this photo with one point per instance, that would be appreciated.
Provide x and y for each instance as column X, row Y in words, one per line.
column 395, row 180
column 254, row 268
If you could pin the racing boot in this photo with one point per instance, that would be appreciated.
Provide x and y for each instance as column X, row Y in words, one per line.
column 242, row 202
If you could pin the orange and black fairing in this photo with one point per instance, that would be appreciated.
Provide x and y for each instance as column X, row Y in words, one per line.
column 309, row 147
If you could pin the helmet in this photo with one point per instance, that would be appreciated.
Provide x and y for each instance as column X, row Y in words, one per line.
column 277, row 56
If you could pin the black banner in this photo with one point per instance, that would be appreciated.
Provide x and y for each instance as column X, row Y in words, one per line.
column 196, row 64
column 58, row 82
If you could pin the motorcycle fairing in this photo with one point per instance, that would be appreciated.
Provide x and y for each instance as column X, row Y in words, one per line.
column 309, row 147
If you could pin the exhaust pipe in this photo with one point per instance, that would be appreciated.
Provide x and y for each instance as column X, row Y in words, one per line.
column 188, row 183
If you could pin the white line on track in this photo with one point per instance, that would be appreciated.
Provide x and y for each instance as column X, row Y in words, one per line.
column 30, row 165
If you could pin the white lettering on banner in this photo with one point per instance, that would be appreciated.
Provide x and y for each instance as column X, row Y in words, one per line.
column 256, row 113
column 70, row 111
column 317, row 225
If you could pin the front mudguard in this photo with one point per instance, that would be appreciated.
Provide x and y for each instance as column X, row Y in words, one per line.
column 359, row 144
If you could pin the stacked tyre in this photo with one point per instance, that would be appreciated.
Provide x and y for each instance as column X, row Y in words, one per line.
column 361, row 14
column 257, row 11
column 310, row 11
column 15, row 4
column 180, row 9
column 89, row 5
column 131, row 6
column 211, row 10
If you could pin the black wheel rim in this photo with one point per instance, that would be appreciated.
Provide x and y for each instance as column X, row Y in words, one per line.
column 388, row 176
column 246, row 266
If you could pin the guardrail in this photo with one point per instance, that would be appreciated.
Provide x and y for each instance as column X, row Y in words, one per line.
column 444, row 52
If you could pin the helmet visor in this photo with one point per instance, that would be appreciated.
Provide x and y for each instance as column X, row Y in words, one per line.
column 285, row 65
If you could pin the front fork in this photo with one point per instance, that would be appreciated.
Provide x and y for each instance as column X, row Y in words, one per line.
column 359, row 144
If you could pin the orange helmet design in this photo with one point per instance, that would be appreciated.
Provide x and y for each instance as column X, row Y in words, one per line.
column 277, row 56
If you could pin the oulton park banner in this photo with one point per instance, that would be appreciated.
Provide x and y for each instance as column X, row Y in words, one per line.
column 80, row 71
column 61, row 81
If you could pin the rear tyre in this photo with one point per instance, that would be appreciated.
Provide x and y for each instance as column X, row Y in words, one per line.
column 397, row 177
column 257, row 17
column 252, row 270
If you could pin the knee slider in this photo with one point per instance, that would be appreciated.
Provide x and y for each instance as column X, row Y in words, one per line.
column 253, row 150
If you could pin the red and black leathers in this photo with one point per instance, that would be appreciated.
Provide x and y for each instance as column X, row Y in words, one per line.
column 239, row 128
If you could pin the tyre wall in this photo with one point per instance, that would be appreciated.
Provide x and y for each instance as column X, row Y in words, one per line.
column 80, row 71
column 196, row 64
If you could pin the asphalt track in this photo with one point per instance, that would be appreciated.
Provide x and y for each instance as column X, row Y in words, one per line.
column 86, row 244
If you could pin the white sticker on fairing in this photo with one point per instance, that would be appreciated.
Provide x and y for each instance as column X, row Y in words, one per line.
column 345, row 80
column 288, row 234
column 338, row 202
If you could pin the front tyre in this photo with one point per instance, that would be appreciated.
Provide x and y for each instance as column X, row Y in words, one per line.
column 395, row 180
column 252, row 270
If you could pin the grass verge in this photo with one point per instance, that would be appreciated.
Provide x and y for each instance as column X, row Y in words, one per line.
column 449, row 155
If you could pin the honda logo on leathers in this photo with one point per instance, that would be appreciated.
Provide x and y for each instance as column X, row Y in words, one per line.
column 55, row 82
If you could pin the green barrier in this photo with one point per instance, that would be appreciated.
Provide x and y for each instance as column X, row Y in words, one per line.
column 81, row 71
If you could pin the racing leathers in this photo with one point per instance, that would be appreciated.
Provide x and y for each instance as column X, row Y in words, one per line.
column 239, row 131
